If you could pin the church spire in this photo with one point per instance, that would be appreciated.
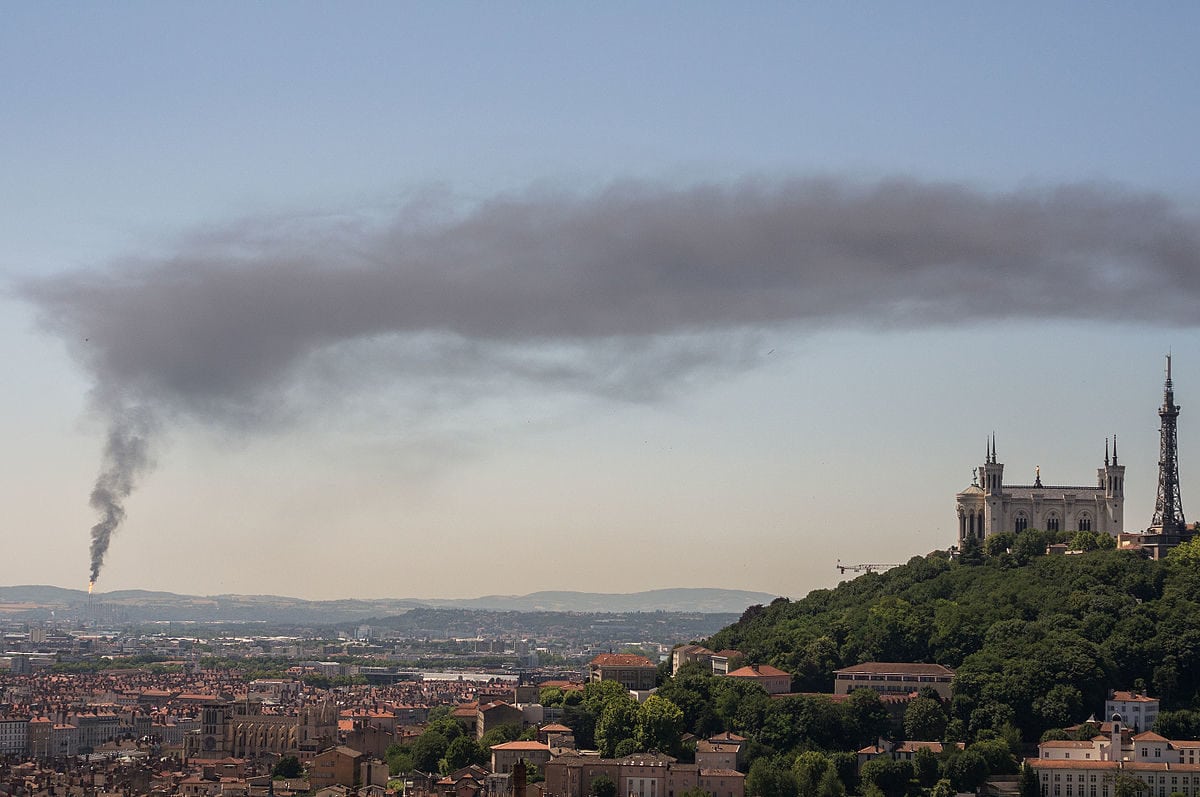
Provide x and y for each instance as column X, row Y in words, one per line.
column 1114, row 451
column 1106, row 452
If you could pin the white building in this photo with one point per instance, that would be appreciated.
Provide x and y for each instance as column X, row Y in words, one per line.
column 989, row 506
column 1090, row 769
column 14, row 735
column 1132, row 710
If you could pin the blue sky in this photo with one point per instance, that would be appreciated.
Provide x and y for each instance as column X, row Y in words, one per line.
column 176, row 139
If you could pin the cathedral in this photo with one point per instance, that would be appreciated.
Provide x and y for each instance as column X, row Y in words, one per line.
column 989, row 506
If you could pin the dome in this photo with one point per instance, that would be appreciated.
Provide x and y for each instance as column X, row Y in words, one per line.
column 974, row 489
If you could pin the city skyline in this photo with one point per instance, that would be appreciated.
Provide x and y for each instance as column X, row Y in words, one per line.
column 497, row 300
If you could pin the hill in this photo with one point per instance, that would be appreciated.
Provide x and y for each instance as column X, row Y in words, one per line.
column 1036, row 640
column 37, row 601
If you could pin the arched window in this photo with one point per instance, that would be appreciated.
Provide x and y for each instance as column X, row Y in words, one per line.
column 1020, row 524
column 1052, row 523
column 1085, row 523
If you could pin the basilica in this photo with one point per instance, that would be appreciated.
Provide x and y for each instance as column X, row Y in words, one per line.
column 989, row 506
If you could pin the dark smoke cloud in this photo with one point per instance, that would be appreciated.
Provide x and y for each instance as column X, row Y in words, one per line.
column 126, row 456
column 216, row 328
column 617, row 292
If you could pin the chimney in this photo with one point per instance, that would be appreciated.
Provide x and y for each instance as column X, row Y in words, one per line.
column 518, row 779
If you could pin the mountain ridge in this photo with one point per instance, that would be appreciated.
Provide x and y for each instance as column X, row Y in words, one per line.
column 151, row 604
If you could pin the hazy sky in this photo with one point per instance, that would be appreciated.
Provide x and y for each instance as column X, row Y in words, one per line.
column 452, row 299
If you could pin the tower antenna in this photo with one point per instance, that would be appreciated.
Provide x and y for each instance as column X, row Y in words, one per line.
column 1168, row 506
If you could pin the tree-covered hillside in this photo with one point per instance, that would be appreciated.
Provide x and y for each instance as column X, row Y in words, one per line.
column 1036, row 640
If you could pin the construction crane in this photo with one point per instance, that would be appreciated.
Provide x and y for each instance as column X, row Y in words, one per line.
column 863, row 568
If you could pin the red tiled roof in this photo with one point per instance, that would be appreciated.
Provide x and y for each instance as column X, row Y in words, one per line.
column 622, row 660
column 1149, row 736
column 521, row 746
column 758, row 671
column 1132, row 697
column 897, row 668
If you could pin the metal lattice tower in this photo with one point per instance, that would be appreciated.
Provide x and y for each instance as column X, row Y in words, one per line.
column 1168, row 507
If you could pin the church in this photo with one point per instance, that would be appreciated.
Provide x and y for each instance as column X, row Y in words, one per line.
column 989, row 506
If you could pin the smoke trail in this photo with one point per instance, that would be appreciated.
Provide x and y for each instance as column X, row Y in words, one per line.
column 126, row 456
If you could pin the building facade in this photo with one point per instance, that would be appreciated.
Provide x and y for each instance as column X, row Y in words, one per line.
column 893, row 678
column 990, row 506
column 631, row 671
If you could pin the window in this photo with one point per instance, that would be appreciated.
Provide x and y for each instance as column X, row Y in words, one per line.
column 1085, row 523
column 1052, row 523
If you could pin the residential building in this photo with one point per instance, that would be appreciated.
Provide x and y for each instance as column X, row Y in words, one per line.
column 639, row 775
column 493, row 715
column 893, row 677
column 723, row 751
column 337, row 765
column 899, row 751
column 1132, row 709
column 505, row 756
column 14, row 735
column 631, row 671
column 688, row 654
column 772, row 679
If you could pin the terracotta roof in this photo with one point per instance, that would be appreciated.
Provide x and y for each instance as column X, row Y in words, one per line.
column 1073, row 763
column 897, row 668
column 1059, row 744
column 1132, row 697
column 721, row 773
column 727, row 737
column 521, row 746
column 554, row 726
column 1149, row 736
column 622, row 660
column 758, row 671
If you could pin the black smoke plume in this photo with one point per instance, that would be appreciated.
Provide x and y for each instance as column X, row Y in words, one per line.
column 126, row 456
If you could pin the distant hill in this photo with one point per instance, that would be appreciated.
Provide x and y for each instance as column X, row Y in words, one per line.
column 143, row 606
column 709, row 601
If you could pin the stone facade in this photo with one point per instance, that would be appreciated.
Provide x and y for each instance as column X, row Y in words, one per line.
column 989, row 506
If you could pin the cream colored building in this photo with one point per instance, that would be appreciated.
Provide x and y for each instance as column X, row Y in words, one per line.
column 1090, row 768
column 990, row 506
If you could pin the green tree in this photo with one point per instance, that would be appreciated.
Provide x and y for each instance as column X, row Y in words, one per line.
column 889, row 776
column 925, row 720
column 288, row 767
column 770, row 777
column 602, row 786
column 499, row 735
column 967, row 771
column 809, row 767
column 428, row 749
column 617, row 722
column 926, row 767
column 463, row 752
column 659, row 725
column 1029, row 783
column 942, row 789
column 625, row 747
column 865, row 718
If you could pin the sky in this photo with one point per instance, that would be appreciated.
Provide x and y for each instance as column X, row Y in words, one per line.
column 444, row 300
